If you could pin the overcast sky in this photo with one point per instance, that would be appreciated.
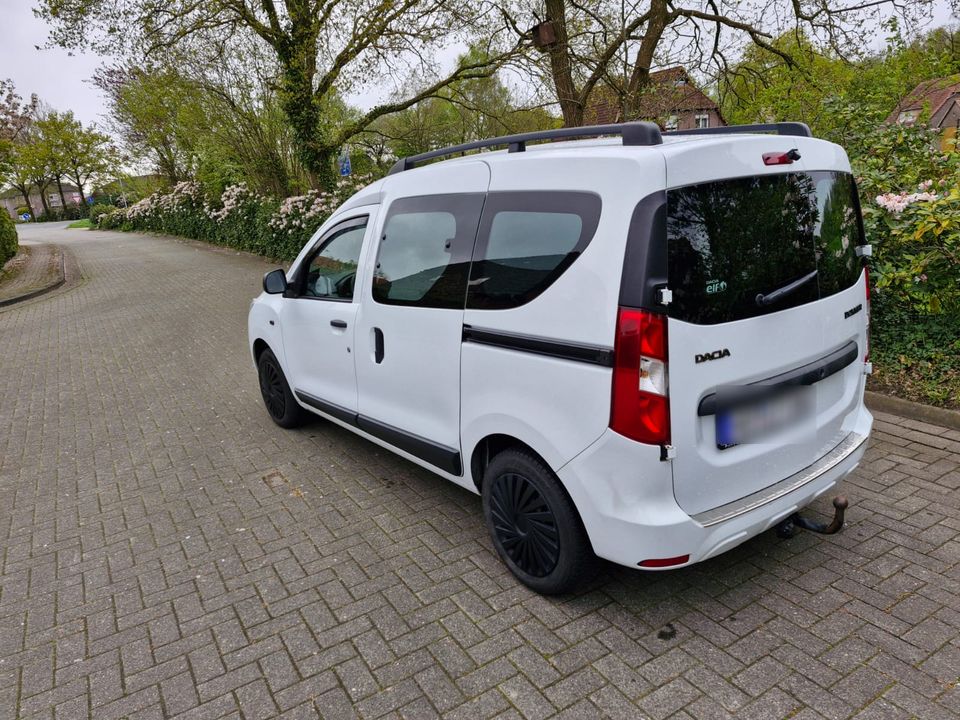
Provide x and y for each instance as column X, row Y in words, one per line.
column 62, row 79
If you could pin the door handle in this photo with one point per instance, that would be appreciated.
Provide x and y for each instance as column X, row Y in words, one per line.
column 339, row 323
column 378, row 345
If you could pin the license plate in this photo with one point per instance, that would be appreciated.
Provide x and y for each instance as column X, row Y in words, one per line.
column 763, row 418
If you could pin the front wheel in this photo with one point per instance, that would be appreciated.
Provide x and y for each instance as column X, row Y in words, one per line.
column 534, row 525
column 279, row 401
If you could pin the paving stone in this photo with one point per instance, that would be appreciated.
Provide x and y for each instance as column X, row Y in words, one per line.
column 168, row 552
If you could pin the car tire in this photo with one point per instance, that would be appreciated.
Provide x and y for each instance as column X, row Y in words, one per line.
column 534, row 525
column 277, row 398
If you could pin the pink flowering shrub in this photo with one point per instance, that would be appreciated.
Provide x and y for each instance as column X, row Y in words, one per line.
column 239, row 218
column 910, row 198
column 919, row 234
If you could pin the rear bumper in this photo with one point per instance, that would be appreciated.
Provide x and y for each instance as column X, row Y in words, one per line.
column 625, row 497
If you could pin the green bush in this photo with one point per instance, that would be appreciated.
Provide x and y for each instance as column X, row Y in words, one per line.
column 916, row 355
column 8, row 237
column 239, row 218
column 100, row 209
column 910, row 194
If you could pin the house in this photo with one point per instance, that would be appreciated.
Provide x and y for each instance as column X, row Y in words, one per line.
column 672, row 100
column 11, row 199
column 940, row 100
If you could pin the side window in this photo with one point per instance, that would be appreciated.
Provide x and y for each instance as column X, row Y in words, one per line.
column 425, row 249
column 331, row 272
column 526, row 241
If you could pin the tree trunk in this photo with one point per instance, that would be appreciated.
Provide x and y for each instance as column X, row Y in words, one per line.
column 640, row 77
column 43, row 199
column 63, row 200
column 561, row 66
column 76, row 179
column 297, row 53
column 25, row 191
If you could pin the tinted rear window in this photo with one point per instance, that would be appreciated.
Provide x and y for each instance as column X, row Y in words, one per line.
column 732, row 240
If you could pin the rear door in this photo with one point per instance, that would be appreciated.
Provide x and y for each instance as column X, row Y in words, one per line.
column 767, row 325
column 410, row 325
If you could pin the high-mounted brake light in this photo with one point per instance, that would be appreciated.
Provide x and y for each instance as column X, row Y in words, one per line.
column 640, row 407
column 781, row 158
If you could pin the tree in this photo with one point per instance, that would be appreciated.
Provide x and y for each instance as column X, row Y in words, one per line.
column 16, row 118
column 18, row 174
column 55, row 130
column 463, row 111
column 617, row 44
column 158, row 113
column 320, row 47
column 841, row 100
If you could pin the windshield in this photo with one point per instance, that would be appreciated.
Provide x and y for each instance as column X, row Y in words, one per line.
column 734, row 240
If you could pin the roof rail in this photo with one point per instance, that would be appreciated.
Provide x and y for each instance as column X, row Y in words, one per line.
column 780, row 128
column 633, row 133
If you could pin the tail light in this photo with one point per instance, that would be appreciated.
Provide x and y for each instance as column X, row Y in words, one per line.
column 640, row 408
column 866, row 274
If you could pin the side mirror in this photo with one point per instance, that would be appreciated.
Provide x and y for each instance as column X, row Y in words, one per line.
column 275, row 282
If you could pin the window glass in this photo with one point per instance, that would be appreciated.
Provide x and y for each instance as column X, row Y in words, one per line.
column 526, row 241
column 332, row 272
column 425, row 250
column 732, row 240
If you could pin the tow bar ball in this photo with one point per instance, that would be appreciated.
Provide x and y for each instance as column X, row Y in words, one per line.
column 788, row 528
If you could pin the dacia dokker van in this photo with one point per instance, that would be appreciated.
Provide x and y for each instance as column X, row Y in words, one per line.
column 647, row 347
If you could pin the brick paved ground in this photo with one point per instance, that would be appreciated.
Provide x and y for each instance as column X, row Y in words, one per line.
column 167, row 551
column 37, row 266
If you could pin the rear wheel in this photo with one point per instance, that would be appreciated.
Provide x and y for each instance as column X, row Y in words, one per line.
column 279, row 401
column 534, row 525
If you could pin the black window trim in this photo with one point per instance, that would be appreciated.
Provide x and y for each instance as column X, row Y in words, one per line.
column 294, row 291
column 586, row 204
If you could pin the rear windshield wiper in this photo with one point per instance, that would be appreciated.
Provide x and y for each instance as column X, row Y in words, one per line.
column 771, row 297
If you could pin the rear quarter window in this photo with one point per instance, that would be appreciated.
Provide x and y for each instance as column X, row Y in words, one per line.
column 732, row 240
column 526, row 241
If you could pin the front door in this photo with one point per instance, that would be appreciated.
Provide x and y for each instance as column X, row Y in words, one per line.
column 410, row 324
column 318, row 317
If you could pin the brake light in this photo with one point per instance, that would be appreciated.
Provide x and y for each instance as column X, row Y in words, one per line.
column 781, row 158
column 640, row 407
column 866, row 275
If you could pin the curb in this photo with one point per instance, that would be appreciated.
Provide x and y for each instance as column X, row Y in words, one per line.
column 913, row 410
column 44, row 290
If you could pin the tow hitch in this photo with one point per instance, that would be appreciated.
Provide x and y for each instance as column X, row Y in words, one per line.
column 788, row 528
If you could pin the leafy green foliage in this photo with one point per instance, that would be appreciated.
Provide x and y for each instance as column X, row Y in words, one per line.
column 915, row 355
column 8, row 237
column 100, row 209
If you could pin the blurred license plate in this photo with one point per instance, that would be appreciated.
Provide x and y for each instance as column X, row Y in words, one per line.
column 760, row 419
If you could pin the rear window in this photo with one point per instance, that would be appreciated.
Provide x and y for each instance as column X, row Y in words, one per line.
column 734, row 240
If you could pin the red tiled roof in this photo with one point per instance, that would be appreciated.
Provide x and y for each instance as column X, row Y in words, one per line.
column 930, row 93
column 663, row 97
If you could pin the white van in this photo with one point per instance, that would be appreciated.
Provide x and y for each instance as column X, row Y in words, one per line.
column 647, row 348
